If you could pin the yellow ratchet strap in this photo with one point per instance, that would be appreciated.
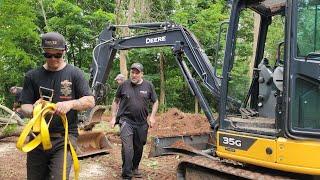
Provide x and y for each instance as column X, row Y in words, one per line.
column 39, row 125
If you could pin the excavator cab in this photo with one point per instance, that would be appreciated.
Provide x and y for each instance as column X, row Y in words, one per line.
column 278, row 123
column 284, row 89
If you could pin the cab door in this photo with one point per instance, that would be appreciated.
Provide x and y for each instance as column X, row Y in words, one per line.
column 303, row 74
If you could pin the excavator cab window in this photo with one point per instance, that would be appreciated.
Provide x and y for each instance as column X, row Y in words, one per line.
column 257, row 63
column 239, row 80
column 219, row 49
column 252, row 66
column 304, row 84
column 308, row 27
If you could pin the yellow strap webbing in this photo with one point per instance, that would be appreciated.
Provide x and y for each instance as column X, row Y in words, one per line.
column 39, row 125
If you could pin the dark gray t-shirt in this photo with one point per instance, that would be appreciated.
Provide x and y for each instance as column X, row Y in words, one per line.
column 135, row 100
column 68, row 83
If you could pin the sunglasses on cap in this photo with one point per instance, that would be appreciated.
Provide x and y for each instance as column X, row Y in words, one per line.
column 49, row 55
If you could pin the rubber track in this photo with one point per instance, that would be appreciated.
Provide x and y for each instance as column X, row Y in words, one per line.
column 234, row 168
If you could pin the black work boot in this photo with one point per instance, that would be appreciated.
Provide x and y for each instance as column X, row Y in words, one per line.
column 126, row 178
column 136, row 173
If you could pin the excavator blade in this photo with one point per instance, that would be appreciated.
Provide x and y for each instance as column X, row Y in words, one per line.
column 164, row 145
column 92, row 143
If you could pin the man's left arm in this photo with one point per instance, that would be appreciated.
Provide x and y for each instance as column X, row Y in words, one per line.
column 154, row 99
column 152, row 118
column 84, row 98
column 83, row 103
column 80, row 104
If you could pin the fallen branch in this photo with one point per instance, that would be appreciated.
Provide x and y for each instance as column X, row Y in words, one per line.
column 13, row 116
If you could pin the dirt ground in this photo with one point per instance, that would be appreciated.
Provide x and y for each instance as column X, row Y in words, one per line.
column 108, row 166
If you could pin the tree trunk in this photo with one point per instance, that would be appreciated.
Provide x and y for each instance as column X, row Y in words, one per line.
column 80, row 61
column 255, row 40
column 162, row 80
column 196, row 105
column 123, row 54
column 143, row 6
column 118, row 11
column 123, row 63
column 73, row 54
column 44, row 16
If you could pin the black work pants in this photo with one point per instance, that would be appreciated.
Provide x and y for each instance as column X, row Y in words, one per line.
column 47, row 165
column 133, row 138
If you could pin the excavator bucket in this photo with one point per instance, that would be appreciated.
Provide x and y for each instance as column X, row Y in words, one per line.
column 92, row 142
column 90, row 118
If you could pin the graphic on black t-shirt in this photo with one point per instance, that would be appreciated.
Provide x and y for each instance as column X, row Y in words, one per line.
column 65, row 91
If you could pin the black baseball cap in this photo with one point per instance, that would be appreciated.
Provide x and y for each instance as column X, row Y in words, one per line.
column 137, row 66
column 53, row 40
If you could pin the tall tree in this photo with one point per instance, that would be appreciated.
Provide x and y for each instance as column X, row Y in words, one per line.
column 256, row 26
column 19, row 42
column 162, row 80
column 44, row 15
column 125, row 32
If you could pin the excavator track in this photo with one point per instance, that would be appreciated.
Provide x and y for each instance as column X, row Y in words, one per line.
column 200, row 167
column 199, row 160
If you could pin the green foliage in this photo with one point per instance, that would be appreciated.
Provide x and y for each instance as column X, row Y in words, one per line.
column 275, row 36
column 202, row 18
column 162, row 9
column 19, row 42
column 2, row 98
column 80, row 27
column 308, row 25
column 149, row 58
column 10, row 129
column 162, row 108
column 22, row 22
column 178, row 91
column 240, row 77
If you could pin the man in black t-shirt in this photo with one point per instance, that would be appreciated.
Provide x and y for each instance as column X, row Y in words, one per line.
column 71, row 93
column 130, row 108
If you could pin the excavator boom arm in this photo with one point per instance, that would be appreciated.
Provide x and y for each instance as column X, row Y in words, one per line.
column 182, row 41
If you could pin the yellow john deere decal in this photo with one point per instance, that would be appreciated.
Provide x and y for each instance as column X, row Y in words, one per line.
column 298, row 156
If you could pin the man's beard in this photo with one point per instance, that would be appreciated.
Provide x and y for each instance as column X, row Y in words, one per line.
column 135, row 81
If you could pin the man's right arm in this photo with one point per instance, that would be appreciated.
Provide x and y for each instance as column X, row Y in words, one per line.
column 27, row 110
column 114, row 110
column 27, row 96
